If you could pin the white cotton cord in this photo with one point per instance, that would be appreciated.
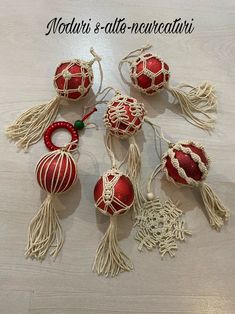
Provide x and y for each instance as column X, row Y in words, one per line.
column 45, row 231
column 153, row 175
column 108, row 145
column 129, row 58
column 160, row 225
column 217, row 213
column 109, row 259
column 157, row 134
column 29, row 128
column 196, row 104
column 158, row 131
column 69, row 147
column 102, row 100
column 134, row 171
column 97, row 58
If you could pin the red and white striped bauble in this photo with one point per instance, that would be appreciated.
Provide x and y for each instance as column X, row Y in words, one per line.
column 124, row 116
column 186, row 163
column 56, row 171
column 73, row 79
column 149, row 73
column 113, row 193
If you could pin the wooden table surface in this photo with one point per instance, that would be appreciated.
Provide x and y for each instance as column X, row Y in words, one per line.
column 201, row 278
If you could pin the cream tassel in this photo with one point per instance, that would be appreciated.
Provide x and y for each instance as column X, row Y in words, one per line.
column 133, row 171
column 110, row 260
column 197, row 103
column 30, row 126
column 44, row 229
column 216, row 211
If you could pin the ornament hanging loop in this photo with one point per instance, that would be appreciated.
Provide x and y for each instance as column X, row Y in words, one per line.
column 95, row 55
column 98, row 59
column 128, row 59
column 135, row 53
column 158, row 132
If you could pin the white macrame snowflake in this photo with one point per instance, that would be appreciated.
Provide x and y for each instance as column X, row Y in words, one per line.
column 160, row 224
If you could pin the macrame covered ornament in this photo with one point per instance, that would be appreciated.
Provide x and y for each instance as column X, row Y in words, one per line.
column 150, row 75
column 72, row 80
column 113, row 195
column 123, row 119
column 56, row 172
column 187, row 163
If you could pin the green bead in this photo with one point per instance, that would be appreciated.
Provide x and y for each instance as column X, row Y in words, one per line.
column 79, row 124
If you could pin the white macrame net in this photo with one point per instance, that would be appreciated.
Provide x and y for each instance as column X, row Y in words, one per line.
column 217, row 213
column 157, row 80
column 195, row 157
column 124, row 116
column 59, row 183
column 85, row 73
column 109, row 179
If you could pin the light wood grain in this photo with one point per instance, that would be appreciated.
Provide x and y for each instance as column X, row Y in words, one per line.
column 201, row 278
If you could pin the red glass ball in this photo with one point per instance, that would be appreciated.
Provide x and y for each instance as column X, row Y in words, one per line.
column 149, row 73
column 56, row 172
column 116, row 199
column 73, row 79
column 124, row 116
column 186, row 162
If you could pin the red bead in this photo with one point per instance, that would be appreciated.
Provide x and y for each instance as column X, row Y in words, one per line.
column 60, row 125
column 56, row 172
column 73, row 79
column 123, row 191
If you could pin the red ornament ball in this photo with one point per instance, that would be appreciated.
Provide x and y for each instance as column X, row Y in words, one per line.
column 149, row 74
column 113, row 193
column 73, row 79
column 56, row 171
column 124, row 116
column 186, row 163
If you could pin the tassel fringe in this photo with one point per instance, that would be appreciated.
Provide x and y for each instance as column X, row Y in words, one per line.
column 216, row 211
column 29, row 128
column 44, row 230
column 110, row 260
column 197, row 103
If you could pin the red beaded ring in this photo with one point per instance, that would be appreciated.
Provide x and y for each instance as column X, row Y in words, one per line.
column 60, row 125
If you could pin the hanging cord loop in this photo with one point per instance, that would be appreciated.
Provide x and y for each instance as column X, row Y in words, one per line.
column 129, row 58
column 97, row 59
